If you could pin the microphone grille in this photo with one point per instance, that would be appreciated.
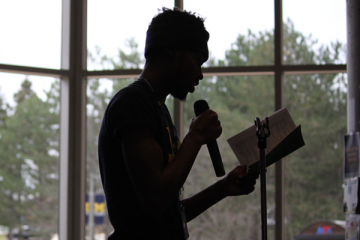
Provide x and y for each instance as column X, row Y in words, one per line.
column 200, row 106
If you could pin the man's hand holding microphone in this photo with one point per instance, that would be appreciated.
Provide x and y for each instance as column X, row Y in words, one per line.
column 207, row 128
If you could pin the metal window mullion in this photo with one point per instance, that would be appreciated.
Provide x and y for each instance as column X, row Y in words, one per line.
column 279, row 166
column 55, row 73
column 229, row 71
column 179, row 105
column 72, row 121
column 353, row 63
column 179, row 4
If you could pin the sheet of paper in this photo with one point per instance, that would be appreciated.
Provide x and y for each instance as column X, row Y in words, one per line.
column 244, row 144
column 352, row 227
column 351, row 195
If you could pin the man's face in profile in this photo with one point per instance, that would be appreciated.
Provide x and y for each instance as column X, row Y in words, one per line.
column 187, row 74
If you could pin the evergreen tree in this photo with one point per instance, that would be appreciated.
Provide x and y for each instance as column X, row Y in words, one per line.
column 29, row 167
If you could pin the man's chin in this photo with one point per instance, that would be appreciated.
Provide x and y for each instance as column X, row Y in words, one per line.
column 181, row 97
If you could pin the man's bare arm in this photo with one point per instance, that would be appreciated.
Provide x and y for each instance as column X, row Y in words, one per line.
column 156, row 186
column 236, row 183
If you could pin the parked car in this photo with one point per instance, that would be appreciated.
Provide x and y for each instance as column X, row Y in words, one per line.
column 26, row 233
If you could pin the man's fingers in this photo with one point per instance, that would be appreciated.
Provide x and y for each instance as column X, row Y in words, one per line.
column 254, row 175
column 246, row 181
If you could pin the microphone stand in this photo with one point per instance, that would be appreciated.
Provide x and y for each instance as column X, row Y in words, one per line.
column 262, row 132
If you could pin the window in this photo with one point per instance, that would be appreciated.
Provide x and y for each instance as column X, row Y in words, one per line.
column 237, row 101
column 117, row 32
column 29, row 140
column 313, row 28
column 314, row 173
column 29, row 29
column 78, row 53
column 241, row 32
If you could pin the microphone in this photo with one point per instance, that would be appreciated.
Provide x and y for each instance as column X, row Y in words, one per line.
column 199, row 107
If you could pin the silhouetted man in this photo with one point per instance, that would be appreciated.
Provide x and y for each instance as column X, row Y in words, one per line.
column 143, row 165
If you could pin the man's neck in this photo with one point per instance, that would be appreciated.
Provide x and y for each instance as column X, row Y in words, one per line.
column 158, row 81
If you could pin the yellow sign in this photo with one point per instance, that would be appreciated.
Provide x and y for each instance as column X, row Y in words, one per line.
column 98, row 207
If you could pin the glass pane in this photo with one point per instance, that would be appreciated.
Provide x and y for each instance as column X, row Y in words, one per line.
column 117, row 31
column 237, row 100
column 29, row 153
column 314, row 32
column 241, row 32
column 313, row 174
column 31, row 33
column 99, row 93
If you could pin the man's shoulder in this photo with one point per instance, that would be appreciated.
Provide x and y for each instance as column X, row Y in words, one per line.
column 134, row 97
column 132, row 105
column 135, row 93
column 133, row 90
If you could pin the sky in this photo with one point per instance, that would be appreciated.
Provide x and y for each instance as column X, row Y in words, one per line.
column 31, row 30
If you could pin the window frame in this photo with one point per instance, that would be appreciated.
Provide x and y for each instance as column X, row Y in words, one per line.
column 74, row 75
